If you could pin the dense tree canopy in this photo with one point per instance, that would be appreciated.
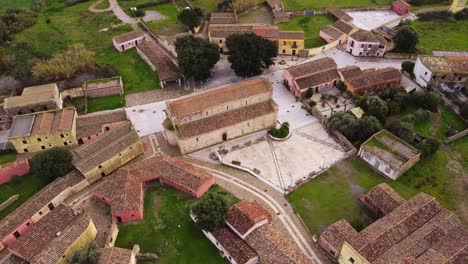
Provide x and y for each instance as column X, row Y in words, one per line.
column 196, row 57
column 250, row 54
column 88, row 255
column 406, row 39
column 52, row 163
column 211, row 211
column 192, row 18
column 377, row 107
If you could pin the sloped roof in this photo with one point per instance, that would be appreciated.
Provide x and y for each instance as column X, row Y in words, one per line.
column 384, row 198
column 244, row 215
column 367, row 36
column 291, row 34
column 223, row 18
column 115, row 255
column 339, row 14
column 317, row 79
column 332, row 32
column 374, row 77
column 33, row 95
column 234, row 245
column 166, row 68
column 338, row 233
column 129, row 36
column 311, row 67
column 343, row 26
column 350, row 71
column 91, row 124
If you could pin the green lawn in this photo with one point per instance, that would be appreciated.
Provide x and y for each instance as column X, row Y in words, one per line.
column 105, row 103
column 103, row 5
column 311, row 26
column 333, row 195
column 208, row 6
column 442, row 35
column 7, row 157
column 170, row 25
column 168, row 231
column 320, row 4
column 26, row 187
column 449, row 119
column 5, row 4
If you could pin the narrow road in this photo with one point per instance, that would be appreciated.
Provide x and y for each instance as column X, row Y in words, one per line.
column 288, row 223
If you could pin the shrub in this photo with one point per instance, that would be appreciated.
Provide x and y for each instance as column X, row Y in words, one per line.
column 434, row 15
column 408, row 118
column 88, row 255
column 312, row 103
column 408, row 66
column 428, row 146
column 281, row 132
column 309, row 93
column 462, row 15
column 38, row 5
column 74, row 2
column 210, row 211
column 17, row 20
column 422, row 115
column 52, row 163
column 15, row 179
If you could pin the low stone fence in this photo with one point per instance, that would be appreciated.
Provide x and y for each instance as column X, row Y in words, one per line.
column 456, row 136
column 369, row 8
column 318, row 50
column 8, row 202
column 394, row 55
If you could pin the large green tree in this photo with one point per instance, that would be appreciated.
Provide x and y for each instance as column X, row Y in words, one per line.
column 377, row 107
column 88, row 255
column 196, row 57
column 406, row 39
column 211, row 211
column 192, row 18
column 250, row 54
column 52, row 163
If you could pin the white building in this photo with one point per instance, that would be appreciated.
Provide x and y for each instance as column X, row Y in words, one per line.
column 449, row 71
column 128, row 40
column 366, row 43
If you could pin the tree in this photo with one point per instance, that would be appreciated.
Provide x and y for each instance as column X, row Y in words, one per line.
column 210, row 211
column 196, row 57
column 190, row 18
column 250, row 54
column 427, row 100
column 341, row 121
column 52, row 163
column 3, row 33
column 408, row 66
column 406, row 39
column 428, row 146
column 309, row 93
column 377, row 107
column 365, row 127
column 88, row 255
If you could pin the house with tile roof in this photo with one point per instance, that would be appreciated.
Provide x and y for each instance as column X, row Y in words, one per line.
column 124, row 191
column 249, row 238
column 401, row 7
column 115, row 255
column 319, row 75
column 382, row 199
column 128, row 40
column 223, row 18
column 367, row 43
column 418, row 230
column 291, row 42
column 108, row 152
column 337, row 32
column 388, row 154
column 205, row 119
column 34, row 99
column 373, row 80
column 20, row 221
column 56, row 238
column 92, row 125
column 450, row 72
column 43, row 130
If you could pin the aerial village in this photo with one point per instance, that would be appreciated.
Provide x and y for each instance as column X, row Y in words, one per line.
column 233, row 131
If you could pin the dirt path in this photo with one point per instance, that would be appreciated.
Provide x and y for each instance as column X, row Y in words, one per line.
column 93, row 8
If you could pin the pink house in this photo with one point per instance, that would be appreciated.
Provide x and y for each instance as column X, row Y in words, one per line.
column 124, row 190
column 19, row 167
column 401, row 7
column 319, row 75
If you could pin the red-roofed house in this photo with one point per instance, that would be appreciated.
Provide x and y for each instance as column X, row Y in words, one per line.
column 244, row 217
column 401, row 7
column 124, row 190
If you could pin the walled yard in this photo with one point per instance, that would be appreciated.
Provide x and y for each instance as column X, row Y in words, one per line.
column 441, row 35
column 369, row 20
column 167, row 231
column 311, row 25
column 261, row 15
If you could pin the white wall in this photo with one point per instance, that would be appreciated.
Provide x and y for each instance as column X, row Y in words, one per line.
column 422, row 74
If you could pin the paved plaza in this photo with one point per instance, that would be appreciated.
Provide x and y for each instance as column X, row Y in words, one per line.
column 147, row 119
column 371, row 19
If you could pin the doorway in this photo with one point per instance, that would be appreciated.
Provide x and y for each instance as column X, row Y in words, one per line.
column 51, row 206
column 119, row 219
column 224, row 136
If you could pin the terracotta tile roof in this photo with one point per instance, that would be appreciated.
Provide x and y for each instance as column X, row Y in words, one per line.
column 401, row 3
column 367, row 36
column 245, row 215
column 104, row 147
column 274, row 247
column 38, row 201
column 386, row 232
column 91, row 124
column 166, row 68
column 226, row 119
column 115, row 255
column 12, row 259
column 224, row 31
column 375, row 77
column 311, row 67
column 206, row 100
column 343, row 26
column 291, row 34
column 129, row 36
column 223, row 18
column 332, row 32
column 340, row 14
column 54, row 121
column 384, row 198
column 234, row 245
column 446, row 64
column 338, row 233
column 459, row 64
column 350, row 71
column 47, row 240
column 33, row 95
column 268, row 32
column 124, row 188
column 317, row 79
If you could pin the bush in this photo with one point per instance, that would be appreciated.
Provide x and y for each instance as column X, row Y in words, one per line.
column 462, row 15
column 152, row 3
column 422, row 115
column 38, row 5
column 309, row 93
column 17, row 20
column 74, row 2
column 428, row 146
column 88, row 255
column 15, row 179
column 281, row 132
column 408, row 66
column 210, row 211
column 51, row 164
column 427, row 100
column 312, row 103
column 435, row 15
column 408, row 118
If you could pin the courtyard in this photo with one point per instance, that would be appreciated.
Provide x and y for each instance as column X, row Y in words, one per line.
column 369, row 20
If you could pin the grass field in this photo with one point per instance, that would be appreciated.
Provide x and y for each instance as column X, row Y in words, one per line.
column 5, row 4
column 170, row 25
column 105, row 103
column 7, row 157
column 320, row 4
column 25, row 187
column 208, row 6
column 167, row 230
column 442, row 35
column 311, row 26
column 333, row 195
column 103, row 5
column 449, row 119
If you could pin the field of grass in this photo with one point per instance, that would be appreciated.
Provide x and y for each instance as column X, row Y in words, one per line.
column 105, row 103
column 26, row 187
column 5, row 4
column 442, row 35
column 168, row 231
column 320, row 4
column 449, row 119
column 170, row 25
column 333, row 195
column 208, row 6
column 7, row 157
column 311, row 26
column 103, row 5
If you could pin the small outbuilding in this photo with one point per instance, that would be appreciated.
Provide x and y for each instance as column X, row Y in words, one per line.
column 128, row 40
column 401, row 7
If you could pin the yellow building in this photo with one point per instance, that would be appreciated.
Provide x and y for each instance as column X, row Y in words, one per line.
column 43, row 130
column 290, row 42
column 56, row 238
column 108, row 152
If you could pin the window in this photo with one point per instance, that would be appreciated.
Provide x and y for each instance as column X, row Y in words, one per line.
column 459, row 78
column 197, row 139
column 65, row 143
column 62, row 136
column 284, row 42
column 220, row 41
column 25, row 142
column 360, row 53
column 352, row 43
column 26, row 150
column 351, row 260
column 39, row 139
column 40, row 212
column 107, row 128
column 16, row 234
column 28, row 224
column 362, row 45
column 43, row 147
column 284, row 51
column 443, row 77
column 425, row 73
